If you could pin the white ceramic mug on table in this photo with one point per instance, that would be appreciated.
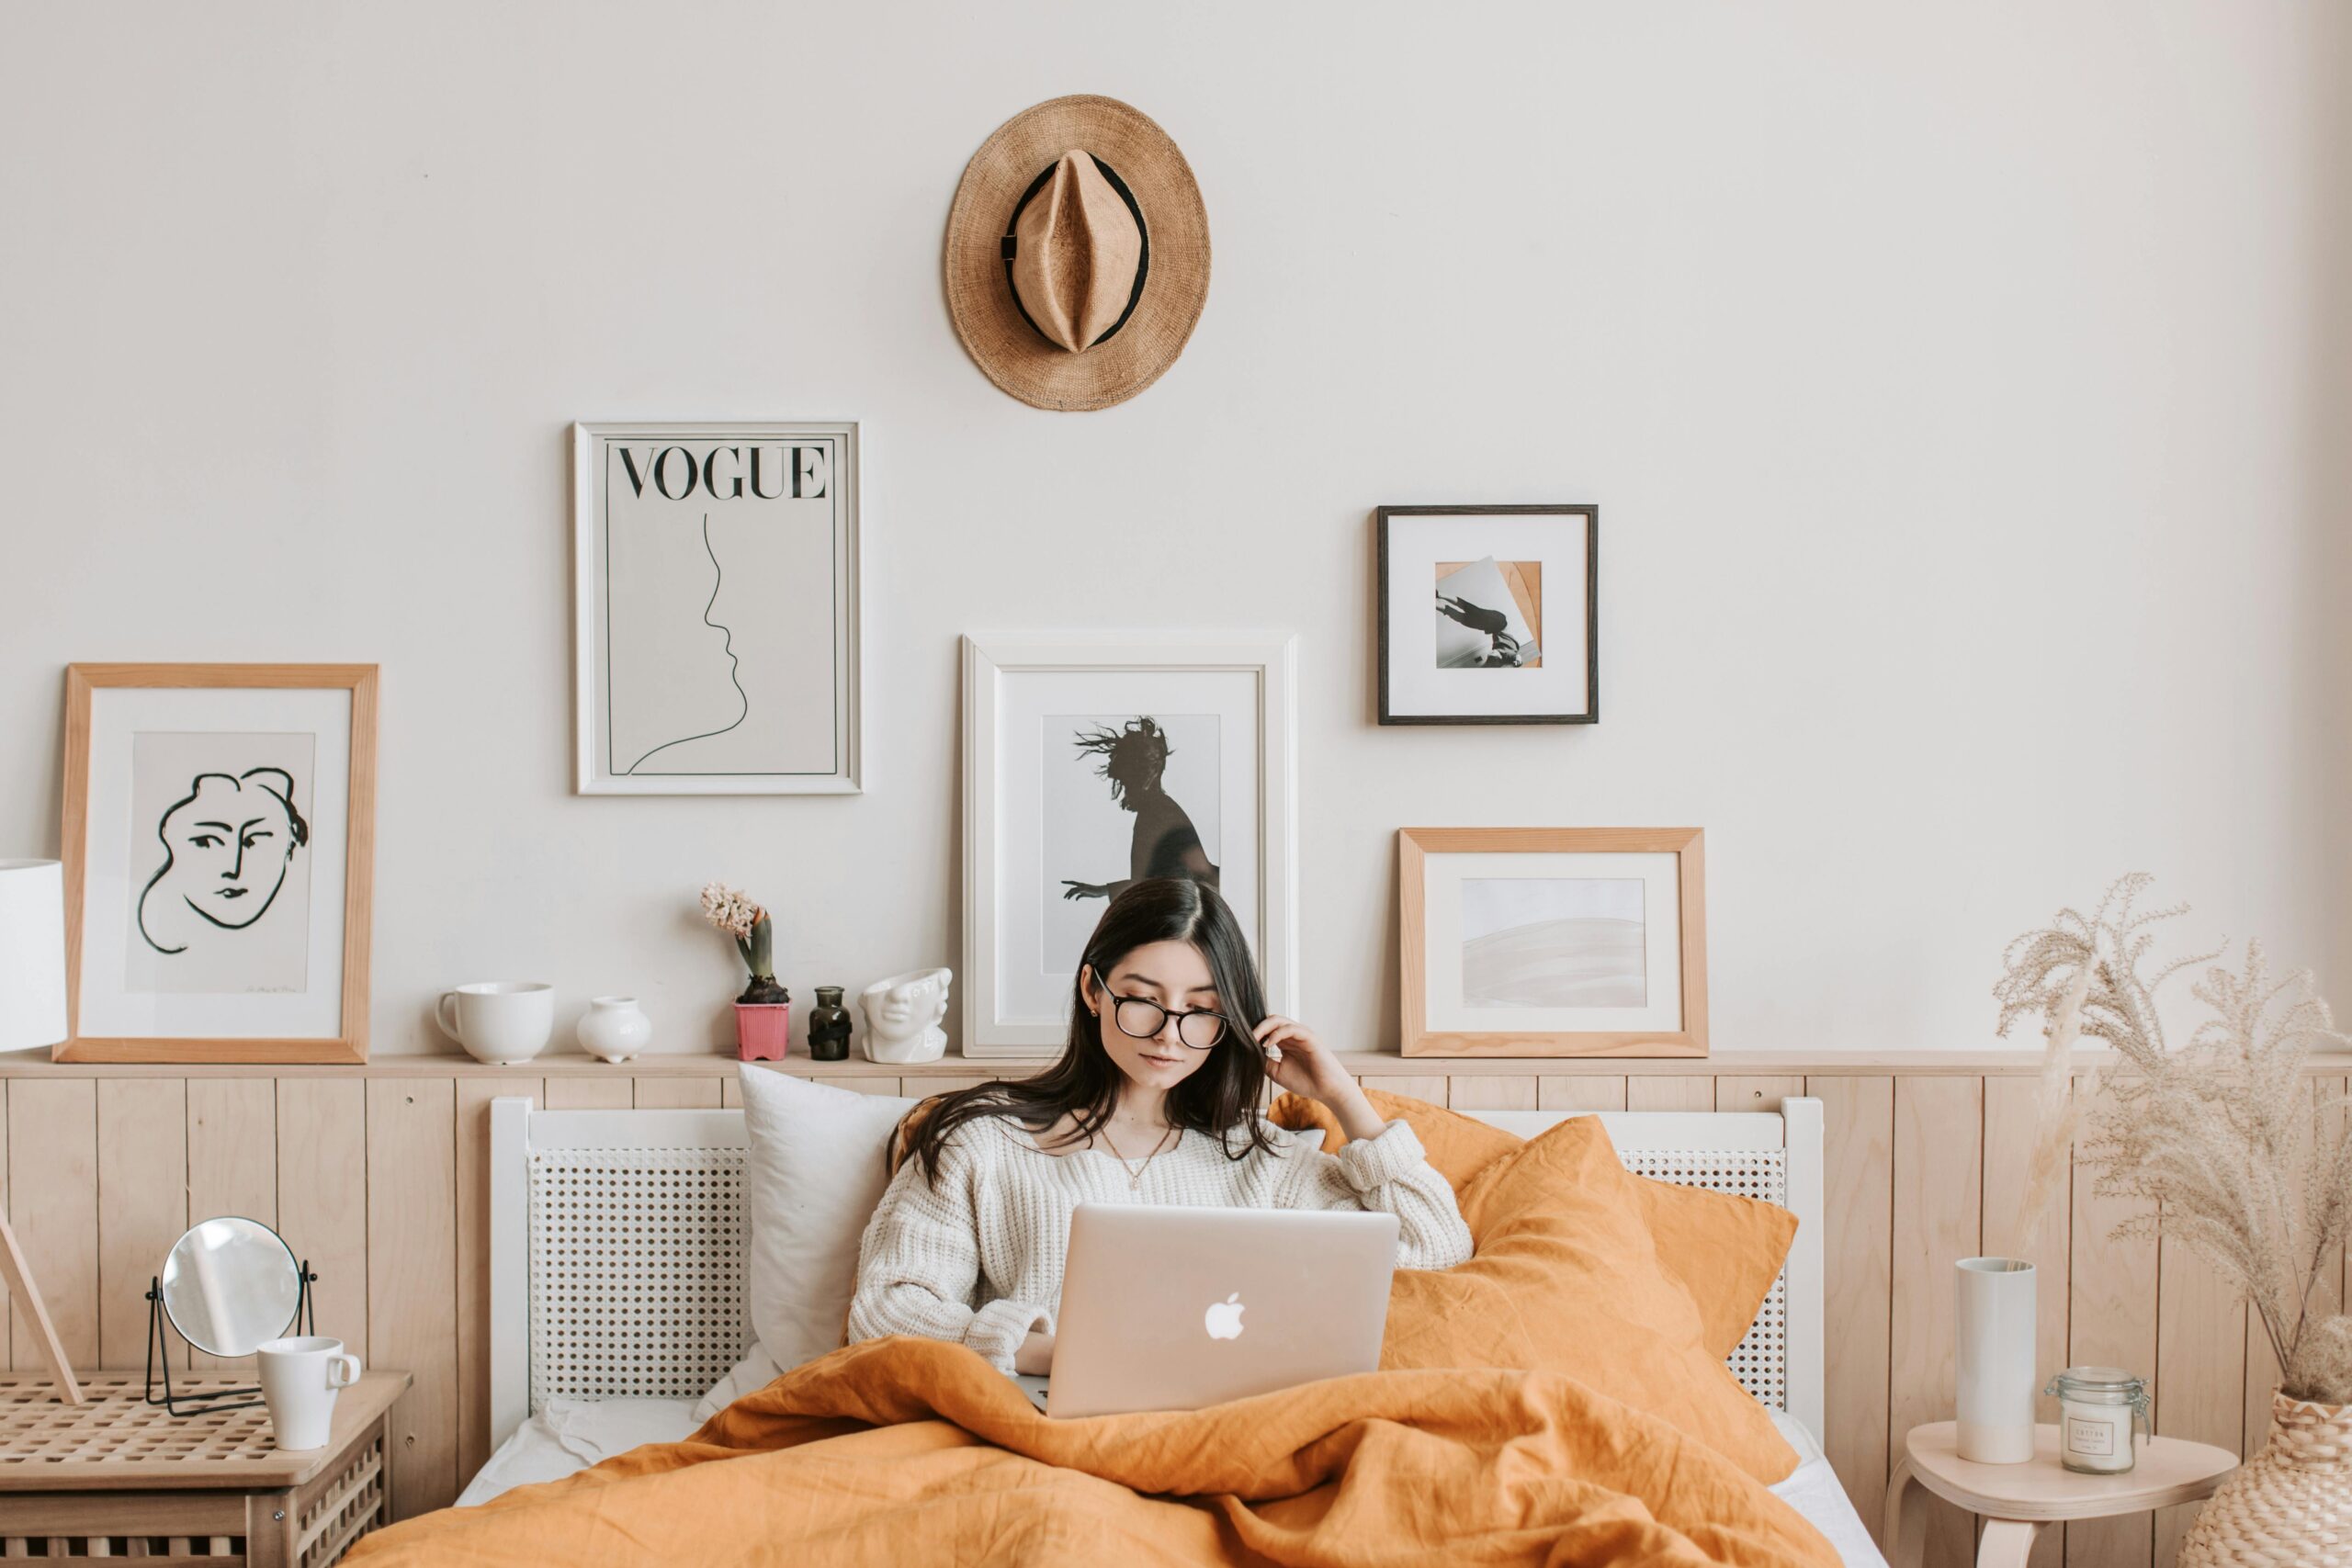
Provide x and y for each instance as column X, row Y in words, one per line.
column 499, row 1021
column 300, row 1377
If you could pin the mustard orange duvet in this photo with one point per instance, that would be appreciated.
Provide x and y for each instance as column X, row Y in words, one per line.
column 916, row 1452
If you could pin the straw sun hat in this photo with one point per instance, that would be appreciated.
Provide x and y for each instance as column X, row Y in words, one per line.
column 1078, row 253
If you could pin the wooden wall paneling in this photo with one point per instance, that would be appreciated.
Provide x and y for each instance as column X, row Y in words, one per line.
column 232, row 1163
column 474, row 1096
column 7, row 1307
column 142, row 1207
column 1858, row 1137
column 1493, row 1091
column 2112, row 1323
column 1431, row 1087
column 678, row 1094
column 1669, row 1092
column 412, row 1277
column 1756, row 1093
column 1572, row 1093
column 731, row 1093
column 1938, row 1198
column 2200, row 1369
column 322, row 1195
column 871, row 1086
column 53, row 1156
column 618, row 1092
column 2012, row 1128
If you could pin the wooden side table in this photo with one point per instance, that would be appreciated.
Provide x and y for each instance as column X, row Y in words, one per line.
column 120, row 1477
column 2016, row 1500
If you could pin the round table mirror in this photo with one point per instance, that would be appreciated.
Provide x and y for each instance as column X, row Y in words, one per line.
column 229, row 1285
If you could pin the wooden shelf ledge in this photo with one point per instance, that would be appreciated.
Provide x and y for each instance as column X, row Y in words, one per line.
column 1364, row 1063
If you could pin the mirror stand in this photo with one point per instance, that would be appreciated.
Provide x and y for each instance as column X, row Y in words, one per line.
column 183, row 1405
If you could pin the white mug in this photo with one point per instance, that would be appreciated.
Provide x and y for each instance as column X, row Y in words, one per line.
column 499, row 1021
column 298, row 1379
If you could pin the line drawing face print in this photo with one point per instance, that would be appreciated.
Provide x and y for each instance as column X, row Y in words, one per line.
column 1164, row 843
column 734, row 665
column 227, row 845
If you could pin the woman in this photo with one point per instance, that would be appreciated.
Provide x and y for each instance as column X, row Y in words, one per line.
column 1151, row 1102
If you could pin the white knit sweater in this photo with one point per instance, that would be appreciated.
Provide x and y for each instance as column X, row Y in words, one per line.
column 977, row 1258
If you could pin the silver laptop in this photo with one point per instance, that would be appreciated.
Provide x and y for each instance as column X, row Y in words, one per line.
column 1173, row 1308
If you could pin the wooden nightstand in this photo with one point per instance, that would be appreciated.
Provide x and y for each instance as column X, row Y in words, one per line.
column 115, row 1472
column 2016, row 1500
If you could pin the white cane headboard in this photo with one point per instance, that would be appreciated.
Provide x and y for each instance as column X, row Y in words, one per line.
column 616, row 1258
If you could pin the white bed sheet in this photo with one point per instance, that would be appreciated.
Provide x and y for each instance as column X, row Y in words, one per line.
column 570, row 1434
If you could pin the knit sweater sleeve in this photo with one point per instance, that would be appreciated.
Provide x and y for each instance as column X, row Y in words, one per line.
column 1390, row 1172
column 919, row 1266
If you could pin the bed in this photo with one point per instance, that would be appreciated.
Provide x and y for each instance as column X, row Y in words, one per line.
column 617, row 1287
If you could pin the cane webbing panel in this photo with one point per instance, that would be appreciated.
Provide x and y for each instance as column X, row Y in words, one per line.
column 1761, row 1361
column 637, row 1268
column 637, row 1271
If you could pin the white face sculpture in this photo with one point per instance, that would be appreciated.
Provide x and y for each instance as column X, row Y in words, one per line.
column 907, row 1007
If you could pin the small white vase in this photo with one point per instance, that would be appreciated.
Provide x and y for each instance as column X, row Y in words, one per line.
column 614, row 1029
column 1993, row 1322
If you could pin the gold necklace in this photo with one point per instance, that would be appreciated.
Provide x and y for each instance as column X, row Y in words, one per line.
column 1134, row 1173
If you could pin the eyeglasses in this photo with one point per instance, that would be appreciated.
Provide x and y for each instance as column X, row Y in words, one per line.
column 1143, row 1019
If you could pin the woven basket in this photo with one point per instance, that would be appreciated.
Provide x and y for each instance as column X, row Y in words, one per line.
column 2291, row 1504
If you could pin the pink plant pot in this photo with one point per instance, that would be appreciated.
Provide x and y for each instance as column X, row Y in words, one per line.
column 761, row 1030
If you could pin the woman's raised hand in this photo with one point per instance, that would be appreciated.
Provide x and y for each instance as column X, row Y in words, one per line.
column 1299, row 1062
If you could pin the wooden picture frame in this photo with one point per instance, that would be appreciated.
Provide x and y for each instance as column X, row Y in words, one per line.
column 1556, row 547
column 1535, row 1020
column 258, row 1021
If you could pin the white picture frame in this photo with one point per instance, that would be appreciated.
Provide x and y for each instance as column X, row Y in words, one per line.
column 1016, row 981
column 743, row 636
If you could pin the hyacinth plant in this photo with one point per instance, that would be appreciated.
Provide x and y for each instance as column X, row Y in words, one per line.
column 733, row 912
column 2223, row 1138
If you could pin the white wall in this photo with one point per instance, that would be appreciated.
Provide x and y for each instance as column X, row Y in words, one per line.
column 1953, row 381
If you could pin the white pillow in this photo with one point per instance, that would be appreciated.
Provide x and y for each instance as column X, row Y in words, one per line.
column 811, row 1179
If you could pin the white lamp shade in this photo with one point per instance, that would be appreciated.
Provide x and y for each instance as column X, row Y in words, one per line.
column 32, row 953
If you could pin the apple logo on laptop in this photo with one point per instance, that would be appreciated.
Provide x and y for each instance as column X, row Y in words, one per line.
column 1224, row 1318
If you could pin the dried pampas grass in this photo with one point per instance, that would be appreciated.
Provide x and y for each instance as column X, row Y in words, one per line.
column 2222, row 1137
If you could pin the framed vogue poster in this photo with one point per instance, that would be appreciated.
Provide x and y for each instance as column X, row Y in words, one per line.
column 1090, row 761
column 1552, row 942
column 219, row 857
column 1488, row 615
column 714, row 609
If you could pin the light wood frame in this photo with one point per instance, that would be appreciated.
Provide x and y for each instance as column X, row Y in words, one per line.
column 359, row 856
column 1269, row 657
column 1414, row 845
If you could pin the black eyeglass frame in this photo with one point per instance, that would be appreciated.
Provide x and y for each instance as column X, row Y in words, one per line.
column 1119, row 1001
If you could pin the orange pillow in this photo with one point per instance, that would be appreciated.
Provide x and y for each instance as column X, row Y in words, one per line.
column 1566, row 1279
column 1724, row 1251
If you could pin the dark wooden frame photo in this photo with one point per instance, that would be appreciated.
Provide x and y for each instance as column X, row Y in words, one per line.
column 1383, row 529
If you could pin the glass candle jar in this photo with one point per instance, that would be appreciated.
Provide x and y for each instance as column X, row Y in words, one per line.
column 2099, row 1408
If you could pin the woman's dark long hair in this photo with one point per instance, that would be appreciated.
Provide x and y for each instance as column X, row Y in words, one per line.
column 1222, row 1093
